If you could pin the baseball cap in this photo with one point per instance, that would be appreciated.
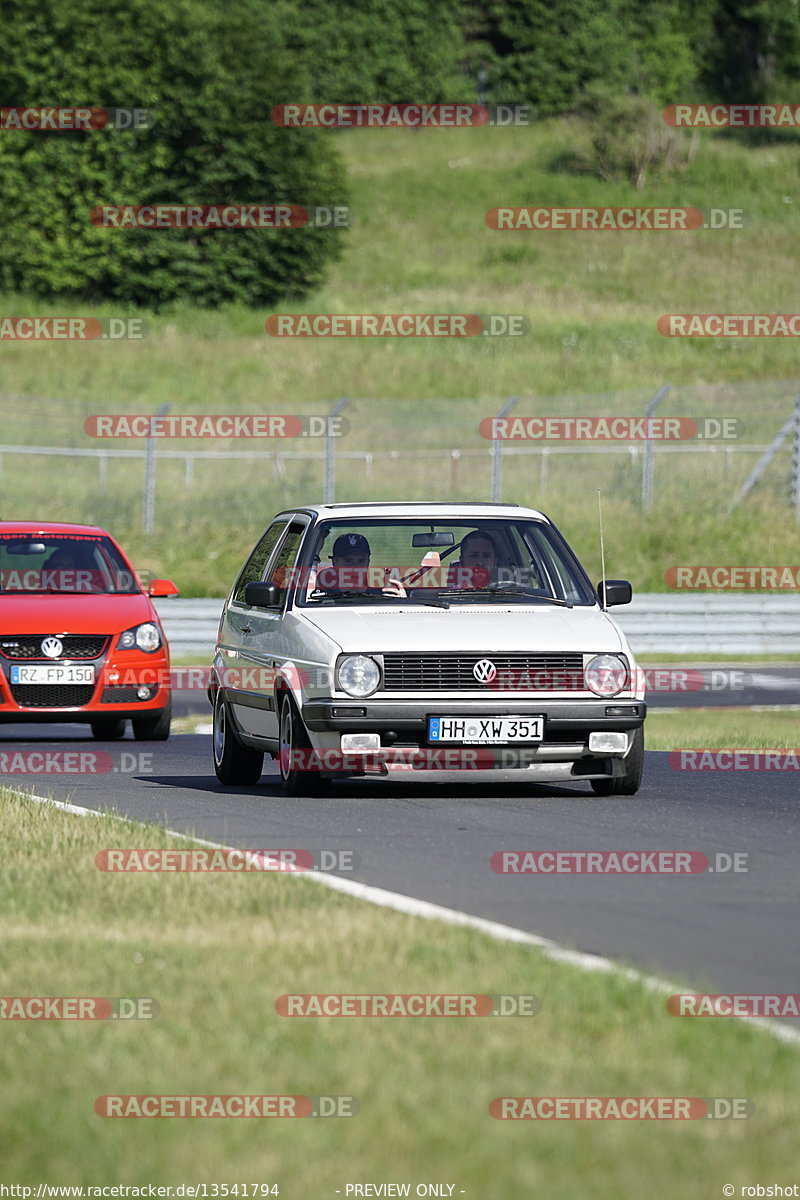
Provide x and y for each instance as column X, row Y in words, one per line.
column 350, row 543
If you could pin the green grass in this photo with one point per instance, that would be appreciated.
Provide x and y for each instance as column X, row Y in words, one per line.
column 696, row 660
column 216, row 951
column 419, row 243
column 722, row 728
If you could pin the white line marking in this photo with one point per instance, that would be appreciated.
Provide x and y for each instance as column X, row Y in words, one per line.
column 449, row 916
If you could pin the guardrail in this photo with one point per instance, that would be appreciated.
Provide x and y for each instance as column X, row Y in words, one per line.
column 655, row 623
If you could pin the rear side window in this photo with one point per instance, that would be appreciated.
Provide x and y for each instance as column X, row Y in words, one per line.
column 253, row 569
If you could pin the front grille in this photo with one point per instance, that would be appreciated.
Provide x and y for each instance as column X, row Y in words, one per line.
column 122, row 695
column 76, row 645
column 453, row 673
column 48, row 695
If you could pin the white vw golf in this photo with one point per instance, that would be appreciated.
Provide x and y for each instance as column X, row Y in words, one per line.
column 397, row 640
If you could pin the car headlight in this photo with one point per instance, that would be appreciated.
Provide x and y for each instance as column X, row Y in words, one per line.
column 606, row 674
column 358, row 675
column 145, row 637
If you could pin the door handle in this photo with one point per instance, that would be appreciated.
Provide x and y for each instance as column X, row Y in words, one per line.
column 247, row 628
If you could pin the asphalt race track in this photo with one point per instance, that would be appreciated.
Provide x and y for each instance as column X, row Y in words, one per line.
column 718, row 932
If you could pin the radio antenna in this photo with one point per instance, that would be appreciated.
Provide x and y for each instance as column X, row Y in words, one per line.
column 602, row 549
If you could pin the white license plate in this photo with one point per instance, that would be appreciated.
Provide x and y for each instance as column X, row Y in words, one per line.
column 485, row 731
column 47, row 673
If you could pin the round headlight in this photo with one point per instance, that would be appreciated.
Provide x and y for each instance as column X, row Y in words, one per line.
column 147, row 637
column 358, row 675
column 606, row 674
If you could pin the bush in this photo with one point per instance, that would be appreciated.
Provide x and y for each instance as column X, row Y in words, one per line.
column 630, row 139
column 380, row 50
column 212, row 72
column 546, row 54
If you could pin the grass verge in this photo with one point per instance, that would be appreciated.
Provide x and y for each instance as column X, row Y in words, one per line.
column 722, row 728
column 216, row 950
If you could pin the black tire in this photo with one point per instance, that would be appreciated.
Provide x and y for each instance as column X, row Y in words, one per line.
column 234, row 763
column 629, row 783
column 292, row 736
column 154, row 727
column 108, row 729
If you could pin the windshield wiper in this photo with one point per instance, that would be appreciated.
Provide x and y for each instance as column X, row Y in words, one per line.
column 510, row 589
column 362, row 593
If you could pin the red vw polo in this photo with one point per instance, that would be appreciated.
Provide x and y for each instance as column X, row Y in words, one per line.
column 80, row 639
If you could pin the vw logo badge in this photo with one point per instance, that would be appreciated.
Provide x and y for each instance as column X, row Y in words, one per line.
column 52, row 647
column 484, row 670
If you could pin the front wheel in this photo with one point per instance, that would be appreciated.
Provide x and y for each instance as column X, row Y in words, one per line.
column 629, row 783
column 233, row 761
column 153, row 727
column 294, row 746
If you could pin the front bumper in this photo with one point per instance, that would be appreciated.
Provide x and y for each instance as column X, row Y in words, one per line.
column 562, row 755
column 113, row 693
column 409, row 717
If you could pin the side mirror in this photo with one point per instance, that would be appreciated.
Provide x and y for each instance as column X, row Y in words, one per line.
column 263, row 595
column 615, row 591
column 162, row 587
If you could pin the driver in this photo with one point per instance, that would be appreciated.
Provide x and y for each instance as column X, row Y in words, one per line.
column 478, row 562
column 66, row 570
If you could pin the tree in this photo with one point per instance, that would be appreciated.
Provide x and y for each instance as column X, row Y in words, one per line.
column 380, row 50
column 548, row 54
column 753, row 52
column 212, row 73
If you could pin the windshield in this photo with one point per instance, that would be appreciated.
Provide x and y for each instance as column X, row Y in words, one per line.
column 63, row 563
column 496, row 561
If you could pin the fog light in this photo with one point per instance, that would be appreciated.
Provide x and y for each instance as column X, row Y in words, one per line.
column 608, row 743
column 361, row 741
column 143, row 693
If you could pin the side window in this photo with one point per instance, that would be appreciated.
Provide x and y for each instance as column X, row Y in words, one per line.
column 281, row 569
column 253, row 569
column 558, row 563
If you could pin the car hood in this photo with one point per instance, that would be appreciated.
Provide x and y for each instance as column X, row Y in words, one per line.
column 43, row 613
column 497, row 628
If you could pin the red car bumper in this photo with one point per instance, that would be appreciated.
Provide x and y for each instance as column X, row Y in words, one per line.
column 111, row 683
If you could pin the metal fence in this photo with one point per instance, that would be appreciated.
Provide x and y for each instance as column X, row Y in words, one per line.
column 446, row 447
